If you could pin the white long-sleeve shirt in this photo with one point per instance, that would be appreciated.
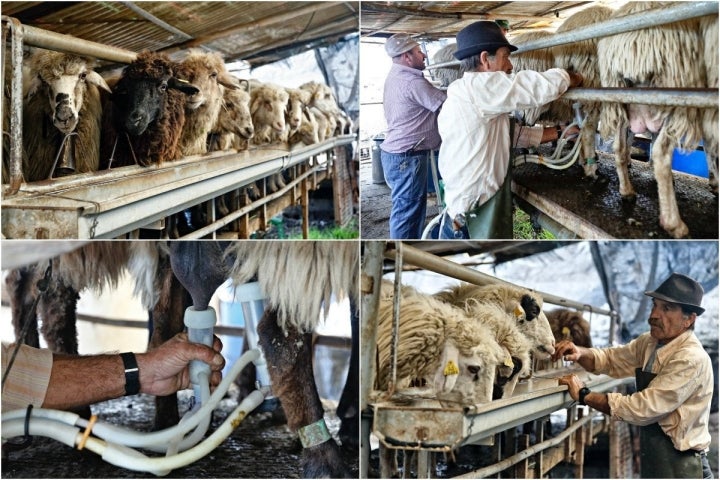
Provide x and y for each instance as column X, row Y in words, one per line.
column 678, row 398
column 475, row 129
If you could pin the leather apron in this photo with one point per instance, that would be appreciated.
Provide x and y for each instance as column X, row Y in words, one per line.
column 493, row 219
column 658, row 457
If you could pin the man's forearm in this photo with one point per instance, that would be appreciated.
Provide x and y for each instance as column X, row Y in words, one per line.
column 598, row 401
column 100, row 377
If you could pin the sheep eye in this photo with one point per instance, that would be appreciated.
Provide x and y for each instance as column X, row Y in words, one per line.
column 474, row 369
column 163, row 86
column 83, row 75
column 213, row 75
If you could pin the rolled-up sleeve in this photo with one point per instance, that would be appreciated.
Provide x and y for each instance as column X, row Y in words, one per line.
column 29, row 376
column 665, row 393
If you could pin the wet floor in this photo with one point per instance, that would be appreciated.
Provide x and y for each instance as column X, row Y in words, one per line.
column 261, row 447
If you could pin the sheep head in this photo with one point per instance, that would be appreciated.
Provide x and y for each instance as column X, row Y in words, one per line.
column 297, row 101
column 268, row 106
column 235, row 113
column 207, row 72
column 534, row 325
column 139, row 97
column 468, row 362
column 63, row 79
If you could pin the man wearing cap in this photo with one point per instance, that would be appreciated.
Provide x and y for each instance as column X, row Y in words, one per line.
column 411, row 104
column 674, row 383
column 475, row 128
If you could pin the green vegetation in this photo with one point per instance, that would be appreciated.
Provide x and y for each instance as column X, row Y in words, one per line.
column 523, row 228
column 348, row 231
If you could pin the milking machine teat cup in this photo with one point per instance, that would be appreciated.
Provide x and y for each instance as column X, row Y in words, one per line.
column 252, row 300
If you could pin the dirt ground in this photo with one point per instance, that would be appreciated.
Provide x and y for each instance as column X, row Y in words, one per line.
column 599, row 202
column 375, row 205
column 261, row 447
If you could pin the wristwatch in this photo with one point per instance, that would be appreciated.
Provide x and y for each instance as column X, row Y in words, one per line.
column 582, row 394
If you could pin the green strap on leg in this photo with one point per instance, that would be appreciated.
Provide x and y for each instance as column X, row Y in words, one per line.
column 314, row 434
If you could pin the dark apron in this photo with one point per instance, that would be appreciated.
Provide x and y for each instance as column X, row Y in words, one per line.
column 658, row 456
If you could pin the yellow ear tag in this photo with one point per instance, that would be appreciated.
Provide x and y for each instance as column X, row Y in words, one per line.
column 566, row 331
column 519, row 312
column 451, row 368
column 509, row 362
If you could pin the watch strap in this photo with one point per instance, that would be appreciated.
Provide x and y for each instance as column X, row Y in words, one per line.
column 582, row 394
column 132, row 373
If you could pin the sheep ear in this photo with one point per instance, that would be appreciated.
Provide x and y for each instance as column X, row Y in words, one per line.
column 228, row 81
column 183, row 85
column 244, row 85
column 532, row 309
column 33, row 88
column 255, row 105
column 97, row 80
column 448, row 371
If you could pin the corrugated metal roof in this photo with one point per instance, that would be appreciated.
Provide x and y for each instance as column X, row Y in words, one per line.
column 260, row 32
column 434, row 20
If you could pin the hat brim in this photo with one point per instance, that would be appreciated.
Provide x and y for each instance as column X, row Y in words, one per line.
column 481, row 47
column 697, row 309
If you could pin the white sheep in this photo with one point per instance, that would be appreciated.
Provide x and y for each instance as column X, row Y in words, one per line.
column 538, row 60
column 439, row 343
column 669, row 59
column 324, row 101
column 523, row 304
column 267, row 107
column 233, row 127
column 62, row 97
column 582, row 58
column 446, row 75
column 309, row 130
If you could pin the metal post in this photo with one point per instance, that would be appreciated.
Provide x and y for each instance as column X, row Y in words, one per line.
column 370, row 281
column 16, row 126
column 396, row 312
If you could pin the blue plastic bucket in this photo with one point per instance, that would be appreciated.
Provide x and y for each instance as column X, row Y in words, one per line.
column 693, row 163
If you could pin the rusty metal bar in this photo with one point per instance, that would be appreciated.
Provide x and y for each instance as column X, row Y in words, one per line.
column 527, row 453
column 687, row 97
column 16, row 52
column 38, row 37
column 156, row 21
column 636, row 21
column 218, row 224
column 439, row 265
column 613, row 26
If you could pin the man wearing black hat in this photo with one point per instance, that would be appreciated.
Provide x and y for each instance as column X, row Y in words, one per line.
column 411, row 104
column 674, row 383
column 475, row 129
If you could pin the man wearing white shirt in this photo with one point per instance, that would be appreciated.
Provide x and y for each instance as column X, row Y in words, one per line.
column 474, row 125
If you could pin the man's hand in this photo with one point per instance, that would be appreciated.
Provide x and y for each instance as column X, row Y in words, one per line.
column 164, row 370
column 575, row 79
column 566, row 350
column 574, row 385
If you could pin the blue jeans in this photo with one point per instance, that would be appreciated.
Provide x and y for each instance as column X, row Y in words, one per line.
column 448, row 233
column 406, row 174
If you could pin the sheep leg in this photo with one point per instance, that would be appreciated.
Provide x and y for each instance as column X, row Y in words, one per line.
column 587, row 143
column 167, row 320
column 289, row 358
column 58, row 309
column 662, row 165
column 622, row 161
column 388, row 462
column 19, row 286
